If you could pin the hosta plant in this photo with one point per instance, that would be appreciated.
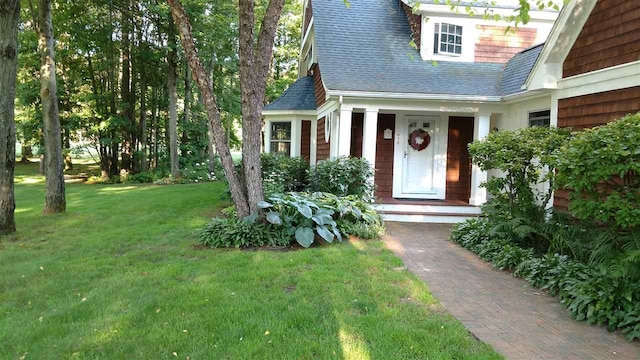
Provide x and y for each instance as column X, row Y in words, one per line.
column 302, row 217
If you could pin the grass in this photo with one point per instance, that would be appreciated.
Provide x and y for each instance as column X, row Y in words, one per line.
column 118, row 276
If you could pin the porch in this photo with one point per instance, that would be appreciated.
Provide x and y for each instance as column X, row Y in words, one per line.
column 431, row 183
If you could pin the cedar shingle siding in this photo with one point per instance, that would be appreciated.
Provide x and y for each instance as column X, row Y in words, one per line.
column 308, row 14
column 384, row 157
column 496, row 45
column 610, row 37
column 305, row 141
column 458, row 159
column 323, row 147
column 318, row 86
column 415, row 23
column 357, row 126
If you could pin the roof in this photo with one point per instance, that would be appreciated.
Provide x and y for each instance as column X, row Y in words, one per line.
column 366, row 48
column 299, row 96
column 517, row 70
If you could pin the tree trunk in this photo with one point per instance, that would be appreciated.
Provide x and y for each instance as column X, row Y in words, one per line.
column 125, row 87
column 27, row 152
column 143, row 120
column 187, row 104
column 254, row 68
column 54, row 191
column 210, row 102
column 172, row 86
column 9, row 21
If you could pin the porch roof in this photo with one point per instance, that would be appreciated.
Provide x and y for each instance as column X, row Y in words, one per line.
column 299, row 96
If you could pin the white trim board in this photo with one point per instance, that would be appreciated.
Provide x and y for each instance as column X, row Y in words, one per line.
column 608, row 79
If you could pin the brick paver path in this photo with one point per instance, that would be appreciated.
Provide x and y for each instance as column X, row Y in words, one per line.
column 518, row 321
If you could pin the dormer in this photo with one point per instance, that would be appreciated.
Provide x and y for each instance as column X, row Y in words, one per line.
column 444, row 34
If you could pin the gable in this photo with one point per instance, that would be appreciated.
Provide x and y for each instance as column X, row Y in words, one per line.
column 610, row 37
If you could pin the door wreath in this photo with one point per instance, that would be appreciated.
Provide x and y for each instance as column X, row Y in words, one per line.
column 419, row 139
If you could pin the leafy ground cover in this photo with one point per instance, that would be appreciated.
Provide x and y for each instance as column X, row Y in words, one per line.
column 118, row 276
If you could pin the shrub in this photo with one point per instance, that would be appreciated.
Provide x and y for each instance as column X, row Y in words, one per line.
column 322, row 215
column 602, row 299
column 302, row 217
column 503, row 254
column 233, row 232
column 198, row 172
column 342, row 177
column 526, row 158
column 602, row 167
column 281, row 174
column 471, row 233
column 353, row 216
column 139, row 178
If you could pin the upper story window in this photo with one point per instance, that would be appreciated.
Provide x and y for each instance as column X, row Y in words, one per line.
column 281, row 138
column 308, row 58
column 540, row 118
column 447, row 39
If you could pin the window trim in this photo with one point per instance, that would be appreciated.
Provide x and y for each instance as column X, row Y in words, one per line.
column 546, row 120
column 273, row 141
column 437, row 39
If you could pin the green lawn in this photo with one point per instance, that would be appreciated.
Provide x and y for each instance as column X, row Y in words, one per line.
column 118, row 276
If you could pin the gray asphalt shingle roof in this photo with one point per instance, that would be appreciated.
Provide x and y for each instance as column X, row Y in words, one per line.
column 366, row 47
column 299, row 96
column 517, row 70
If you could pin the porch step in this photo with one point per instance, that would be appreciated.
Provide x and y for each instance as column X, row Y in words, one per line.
column 426, row 213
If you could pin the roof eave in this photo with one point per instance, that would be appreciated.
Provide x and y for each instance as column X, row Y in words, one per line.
column 414, row 96
column 288, row 112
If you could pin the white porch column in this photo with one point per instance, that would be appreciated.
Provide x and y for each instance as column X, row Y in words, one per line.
column 369, row 136
column 481, row 128
column 296, row 136
column 344, row 132
column 267, row 136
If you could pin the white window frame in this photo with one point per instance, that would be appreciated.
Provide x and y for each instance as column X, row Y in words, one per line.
column 538, row 118
column 437, row 46
column 272, row 140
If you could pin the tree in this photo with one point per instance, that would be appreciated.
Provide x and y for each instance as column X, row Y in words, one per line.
column 55, row 201
column 9, row 20
column 255, row 60
column 172, row 85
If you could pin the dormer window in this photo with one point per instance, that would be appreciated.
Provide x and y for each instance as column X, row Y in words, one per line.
column 447, row 39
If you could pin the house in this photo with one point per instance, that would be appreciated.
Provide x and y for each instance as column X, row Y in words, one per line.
column 591, row 66
column 408, row 88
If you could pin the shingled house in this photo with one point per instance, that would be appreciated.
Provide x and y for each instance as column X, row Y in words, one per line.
column 408, row 88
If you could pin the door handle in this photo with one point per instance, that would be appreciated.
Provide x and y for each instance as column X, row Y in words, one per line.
column 405, row 154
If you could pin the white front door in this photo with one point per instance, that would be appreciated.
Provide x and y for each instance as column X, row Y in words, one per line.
column 420, row 156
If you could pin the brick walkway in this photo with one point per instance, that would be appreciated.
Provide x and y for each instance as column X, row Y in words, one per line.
column 518, row 321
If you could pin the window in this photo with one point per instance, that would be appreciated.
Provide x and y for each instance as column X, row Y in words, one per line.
column 281, row 138
column 308, row 59
column 540, row 118
column 447, row 39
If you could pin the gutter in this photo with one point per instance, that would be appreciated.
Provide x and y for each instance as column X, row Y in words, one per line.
column 413, row 96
